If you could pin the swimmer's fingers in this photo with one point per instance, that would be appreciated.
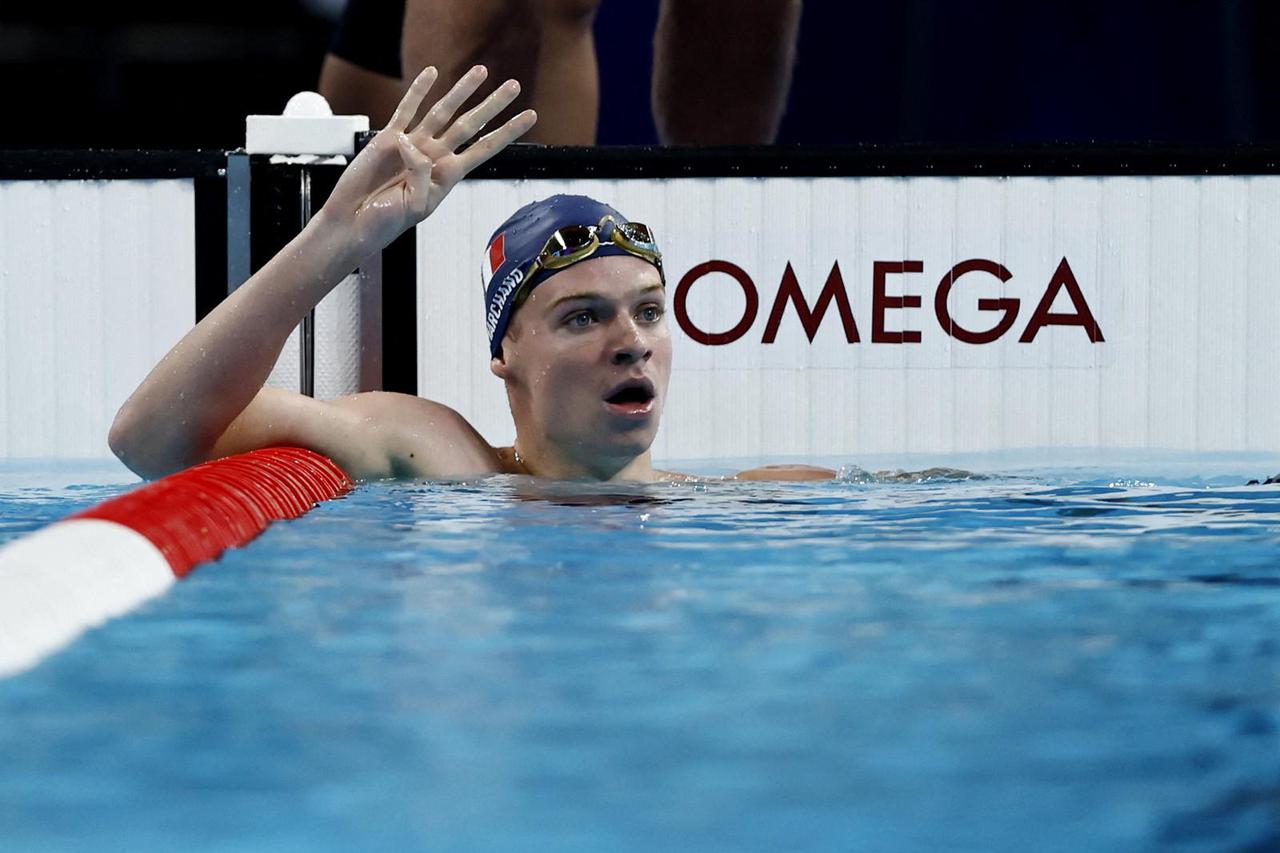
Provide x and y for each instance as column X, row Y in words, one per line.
column 442, row 111
column 417, row 185
column 474, row 121
column 412, row 100
column 492, row 143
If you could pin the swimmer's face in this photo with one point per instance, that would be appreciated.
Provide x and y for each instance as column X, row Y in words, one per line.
column 587, row 358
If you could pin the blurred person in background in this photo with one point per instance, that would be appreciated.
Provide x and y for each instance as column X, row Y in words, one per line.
column 720, row 68
column 1203, row 72
column 986, row 72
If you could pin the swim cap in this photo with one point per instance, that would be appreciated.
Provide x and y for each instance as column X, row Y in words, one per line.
column 515, row 246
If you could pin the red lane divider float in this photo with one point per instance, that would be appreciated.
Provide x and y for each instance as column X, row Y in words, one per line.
column 72, row 575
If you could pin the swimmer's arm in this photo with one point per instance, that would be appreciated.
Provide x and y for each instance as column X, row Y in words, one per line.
column 786, row 472
column 180, row 411
column 176, row 416
column 722, row 70
column 374, row 435
column 764, row 472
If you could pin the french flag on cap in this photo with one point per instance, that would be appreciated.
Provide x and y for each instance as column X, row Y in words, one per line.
column 497, row 254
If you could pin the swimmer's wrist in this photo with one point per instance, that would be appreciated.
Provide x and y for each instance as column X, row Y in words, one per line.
column 334, row 243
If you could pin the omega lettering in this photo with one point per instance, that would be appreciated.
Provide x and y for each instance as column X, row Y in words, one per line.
column 834, row 292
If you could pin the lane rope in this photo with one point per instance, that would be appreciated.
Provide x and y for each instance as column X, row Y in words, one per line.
column 64, row 579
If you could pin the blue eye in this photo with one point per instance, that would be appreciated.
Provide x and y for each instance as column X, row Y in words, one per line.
column 651, row 313
column 580, row 320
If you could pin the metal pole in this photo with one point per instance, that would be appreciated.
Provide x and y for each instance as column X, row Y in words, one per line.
column 238, row 234
column 307, row 340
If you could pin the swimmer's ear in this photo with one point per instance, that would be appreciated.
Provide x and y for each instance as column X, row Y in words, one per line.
column 498, row 364
column 498, row 367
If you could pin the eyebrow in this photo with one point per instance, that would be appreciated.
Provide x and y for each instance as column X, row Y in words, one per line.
column 599, row 297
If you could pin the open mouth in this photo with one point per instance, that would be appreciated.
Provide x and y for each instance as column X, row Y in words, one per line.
column 633, row 397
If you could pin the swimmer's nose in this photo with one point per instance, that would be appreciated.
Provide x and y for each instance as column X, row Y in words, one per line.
column 632, row 346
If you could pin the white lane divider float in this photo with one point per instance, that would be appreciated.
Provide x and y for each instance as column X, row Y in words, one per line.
column 75, row 574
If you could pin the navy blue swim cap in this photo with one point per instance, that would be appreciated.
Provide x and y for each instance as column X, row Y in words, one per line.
column 516, row 244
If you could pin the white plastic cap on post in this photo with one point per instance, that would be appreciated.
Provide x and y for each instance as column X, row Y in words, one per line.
column 308, row 126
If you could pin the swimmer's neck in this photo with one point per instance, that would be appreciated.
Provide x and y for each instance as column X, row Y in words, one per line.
column 542, row 459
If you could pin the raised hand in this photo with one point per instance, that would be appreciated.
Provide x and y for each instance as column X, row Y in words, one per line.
column 405, row 171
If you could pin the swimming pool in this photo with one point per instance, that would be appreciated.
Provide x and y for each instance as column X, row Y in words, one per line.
column 1057, row 657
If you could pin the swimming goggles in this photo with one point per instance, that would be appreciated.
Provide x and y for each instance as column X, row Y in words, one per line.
column 572, row 243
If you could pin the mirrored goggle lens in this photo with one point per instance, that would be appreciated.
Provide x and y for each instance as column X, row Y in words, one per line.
column 637, row 232
column 571, row 238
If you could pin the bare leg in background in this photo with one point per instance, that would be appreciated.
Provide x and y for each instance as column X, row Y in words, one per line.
column 722, row 70
column 354, row 90
column 545, row 44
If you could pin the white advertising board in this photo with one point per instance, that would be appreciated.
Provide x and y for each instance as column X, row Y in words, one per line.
column 1089, row 312
column 97, row 282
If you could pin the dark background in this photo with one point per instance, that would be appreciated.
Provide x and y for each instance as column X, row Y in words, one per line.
column 142, row 74
column 146, row 74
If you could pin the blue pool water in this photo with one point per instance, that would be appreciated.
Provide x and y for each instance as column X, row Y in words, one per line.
column 1079, row 657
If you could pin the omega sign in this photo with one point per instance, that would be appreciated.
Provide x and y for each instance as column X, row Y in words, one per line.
column 1005, row 310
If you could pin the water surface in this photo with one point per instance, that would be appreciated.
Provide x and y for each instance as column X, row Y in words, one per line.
column 1054, row 659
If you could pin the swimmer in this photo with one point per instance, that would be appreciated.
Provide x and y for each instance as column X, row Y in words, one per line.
column 575, row 303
